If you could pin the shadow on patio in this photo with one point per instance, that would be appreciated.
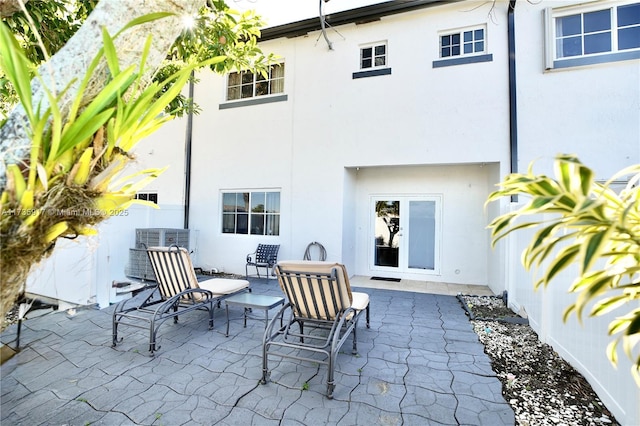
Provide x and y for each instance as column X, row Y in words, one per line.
column 420, row 363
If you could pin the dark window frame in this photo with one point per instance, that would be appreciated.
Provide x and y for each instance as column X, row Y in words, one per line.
column 251, row 212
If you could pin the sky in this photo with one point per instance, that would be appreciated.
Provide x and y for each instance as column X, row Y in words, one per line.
column 278, row 12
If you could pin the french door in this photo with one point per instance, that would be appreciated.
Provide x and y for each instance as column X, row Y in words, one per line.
column 405, row 234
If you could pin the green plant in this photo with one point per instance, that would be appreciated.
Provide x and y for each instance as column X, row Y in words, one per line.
column 305, row 386
column 585, row 223
column 72, row 179
column 69, row 179
column 217, row 31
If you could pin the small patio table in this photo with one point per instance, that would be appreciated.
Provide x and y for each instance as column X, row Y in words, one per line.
column 253, row 301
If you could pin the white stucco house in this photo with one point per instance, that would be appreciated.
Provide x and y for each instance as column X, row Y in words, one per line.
column 380, row 134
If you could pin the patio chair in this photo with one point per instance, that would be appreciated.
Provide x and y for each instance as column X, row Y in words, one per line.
column 326, row 311
column 177, row 292
column 265, row 256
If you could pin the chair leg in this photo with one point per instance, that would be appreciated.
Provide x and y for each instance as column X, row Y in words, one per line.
column 114, row 324
column 354, row 350
column 114, row 333
column 211, row 316
column 152, row 338
column 265, row 365
column 331, row 384
column 368, row 315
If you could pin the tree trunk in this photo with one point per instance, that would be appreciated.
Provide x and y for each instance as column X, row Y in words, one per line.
column 68, row 68
column 9, row 7
column 72, row 61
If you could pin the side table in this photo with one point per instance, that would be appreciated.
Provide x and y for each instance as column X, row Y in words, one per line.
column 253, row 301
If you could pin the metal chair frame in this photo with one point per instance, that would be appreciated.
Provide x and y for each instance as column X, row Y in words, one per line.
column 174, row 295
column 265, row 256
column 315, row 301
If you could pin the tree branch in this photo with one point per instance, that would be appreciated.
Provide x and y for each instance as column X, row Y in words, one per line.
column 68, row 66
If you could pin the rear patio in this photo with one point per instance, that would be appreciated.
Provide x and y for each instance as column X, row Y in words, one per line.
column 420, row 363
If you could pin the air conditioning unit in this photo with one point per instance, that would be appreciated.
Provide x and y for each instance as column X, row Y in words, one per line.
column 161, row 237
column 139, row 265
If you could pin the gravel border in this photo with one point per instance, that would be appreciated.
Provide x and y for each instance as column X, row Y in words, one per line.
column 542, row 388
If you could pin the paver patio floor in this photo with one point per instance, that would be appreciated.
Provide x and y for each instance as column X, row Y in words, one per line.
column 420, row 363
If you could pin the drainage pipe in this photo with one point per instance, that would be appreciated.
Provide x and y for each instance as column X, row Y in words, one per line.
column 513, row 106
column 187, row 154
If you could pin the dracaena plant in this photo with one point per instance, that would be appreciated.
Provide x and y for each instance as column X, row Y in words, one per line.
column 73, row 177
column 585, row 223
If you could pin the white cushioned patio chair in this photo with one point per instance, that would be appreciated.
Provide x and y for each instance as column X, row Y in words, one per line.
column 323, row 309
column 177, row 292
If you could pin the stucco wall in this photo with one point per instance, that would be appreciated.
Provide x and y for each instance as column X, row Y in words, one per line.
column 418, row 115
column 592, row 112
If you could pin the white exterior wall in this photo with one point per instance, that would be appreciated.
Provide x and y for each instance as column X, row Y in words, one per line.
column 463, row 190
column 592, row 112
column 310, row 146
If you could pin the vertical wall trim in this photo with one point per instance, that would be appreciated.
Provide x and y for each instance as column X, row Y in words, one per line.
column 187, row 154
column 513, row 106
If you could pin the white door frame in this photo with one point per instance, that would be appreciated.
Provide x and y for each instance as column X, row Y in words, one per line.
column 403, row 268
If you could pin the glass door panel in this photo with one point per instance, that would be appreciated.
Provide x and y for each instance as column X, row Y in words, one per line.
column 406, row 234
column 421, row 235
column 386, row 233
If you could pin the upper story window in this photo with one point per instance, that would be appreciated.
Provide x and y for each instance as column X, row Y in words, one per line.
column 462, row 46
column 374, row 60
column 373, row 56
column 592, row 34
column 245, row 84
column 255, row 213
column 464, row 42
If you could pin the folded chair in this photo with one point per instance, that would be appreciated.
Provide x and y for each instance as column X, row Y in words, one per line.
column 265, row 256
column 177, row 292
column 323, row 312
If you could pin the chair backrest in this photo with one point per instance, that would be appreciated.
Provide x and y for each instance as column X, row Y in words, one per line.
column 173, row 269
column 267, row 253
column 316, row 289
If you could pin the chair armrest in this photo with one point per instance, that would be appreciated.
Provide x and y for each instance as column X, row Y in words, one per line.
column 250, row 257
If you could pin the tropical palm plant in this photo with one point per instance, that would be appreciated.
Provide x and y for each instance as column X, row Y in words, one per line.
column 580, row 221
column 72, row 178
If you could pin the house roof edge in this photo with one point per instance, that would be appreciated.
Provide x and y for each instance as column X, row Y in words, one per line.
column 361, row 14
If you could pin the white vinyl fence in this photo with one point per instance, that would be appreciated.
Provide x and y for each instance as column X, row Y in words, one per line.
column 584, row 344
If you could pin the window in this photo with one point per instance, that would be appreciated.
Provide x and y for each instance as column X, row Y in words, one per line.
column 255, row 213
column 463, row 46
column 245, row 84
column 593, row 35
column 373, row 60
column 374, row 56
column 464, row 42
column 148, row 196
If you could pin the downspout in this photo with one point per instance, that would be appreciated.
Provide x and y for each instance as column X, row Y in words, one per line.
column 510, row 272
column 187, row 154
column 513, row 106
